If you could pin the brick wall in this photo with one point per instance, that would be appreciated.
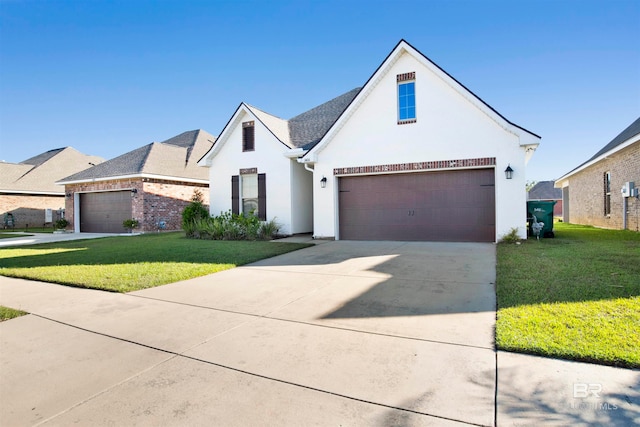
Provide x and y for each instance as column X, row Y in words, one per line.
column 30, row 209
column 164, row 201
column 586, row 191
column 155, row 201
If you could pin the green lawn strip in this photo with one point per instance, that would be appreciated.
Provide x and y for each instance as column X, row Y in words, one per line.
column 129, row 263
column 576, row 296
column 7, row 313
column 596, row 331
column 29, row 230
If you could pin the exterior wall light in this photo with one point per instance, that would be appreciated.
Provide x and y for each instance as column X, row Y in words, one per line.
column 508, row 172
column 323, row 182
column 134, row 191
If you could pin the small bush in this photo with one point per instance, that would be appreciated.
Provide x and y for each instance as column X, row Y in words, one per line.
column 61, row 224
column 194, row 211
column 511, row 236
column 268, row 230
column 130, row 224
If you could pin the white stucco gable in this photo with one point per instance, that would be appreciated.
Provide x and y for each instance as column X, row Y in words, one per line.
column 276, row 126
column 454, row 130
column 528, row 140
column 284, row 186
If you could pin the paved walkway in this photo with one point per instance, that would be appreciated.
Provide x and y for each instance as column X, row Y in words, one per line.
column 343, row 333
column 22, row 239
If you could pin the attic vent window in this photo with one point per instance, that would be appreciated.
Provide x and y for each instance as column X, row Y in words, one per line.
column 406, row 97
column 248, row 136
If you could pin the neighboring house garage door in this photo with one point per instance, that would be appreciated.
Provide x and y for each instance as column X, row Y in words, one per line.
column 454, row 206
column 104, row 212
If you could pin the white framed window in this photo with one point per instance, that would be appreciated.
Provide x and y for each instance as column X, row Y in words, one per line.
column 406, row 97
column 250, row 194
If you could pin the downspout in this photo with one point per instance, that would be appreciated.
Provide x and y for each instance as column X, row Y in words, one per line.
column 306, row 166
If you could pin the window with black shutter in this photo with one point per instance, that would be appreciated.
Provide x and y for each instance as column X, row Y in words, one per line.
column 235, row 194
column 262, row 196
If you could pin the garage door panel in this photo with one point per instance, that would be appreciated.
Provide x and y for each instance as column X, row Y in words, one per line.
column 104, row 212
column 437, row 206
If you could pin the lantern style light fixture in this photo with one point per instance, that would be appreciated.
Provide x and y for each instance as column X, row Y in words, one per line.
column 323, row 182
column 508, row 172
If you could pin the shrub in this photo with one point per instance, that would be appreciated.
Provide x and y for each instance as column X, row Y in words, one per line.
column 229, row 226
column 61, row 224
column 130, row 224
column 511, row 236
column 194, row 211
column 268, row 230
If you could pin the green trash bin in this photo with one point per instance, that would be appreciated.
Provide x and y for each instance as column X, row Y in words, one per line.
column 543, row 212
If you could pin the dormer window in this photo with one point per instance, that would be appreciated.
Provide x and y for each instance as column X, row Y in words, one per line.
column 248, row 136
column 406, row 97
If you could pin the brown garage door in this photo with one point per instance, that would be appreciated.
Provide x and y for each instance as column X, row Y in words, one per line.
column 104, row 212
column 454, row 206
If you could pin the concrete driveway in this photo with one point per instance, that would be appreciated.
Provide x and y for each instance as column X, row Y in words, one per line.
column 343, row 333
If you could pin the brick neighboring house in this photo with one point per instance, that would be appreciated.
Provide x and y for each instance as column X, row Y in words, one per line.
column 28, row 190
column 544, row 191
column 592, row 192
column 151, row 184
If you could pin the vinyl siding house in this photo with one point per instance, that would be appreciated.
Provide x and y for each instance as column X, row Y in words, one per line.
column 592, row 193
column 28, row 190
column 412, row 155
column 151, row 184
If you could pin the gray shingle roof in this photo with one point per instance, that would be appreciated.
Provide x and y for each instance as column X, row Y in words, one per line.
column 308, row 128
column 41, row 158
column 175, row 157
column 544, row 190
column 40, row 173
column 632, row 130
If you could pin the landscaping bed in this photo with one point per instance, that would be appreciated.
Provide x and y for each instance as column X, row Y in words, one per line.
column 576, row 296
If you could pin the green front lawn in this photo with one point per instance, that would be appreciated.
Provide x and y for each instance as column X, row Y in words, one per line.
column 129, row 263
column 7, row 313
column 576, row 296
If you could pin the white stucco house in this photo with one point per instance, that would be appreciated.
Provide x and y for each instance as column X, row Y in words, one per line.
column 412, row 155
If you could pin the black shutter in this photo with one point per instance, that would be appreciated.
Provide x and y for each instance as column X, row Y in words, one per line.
column 262, row 196
column 235, row 194
column 248, row 136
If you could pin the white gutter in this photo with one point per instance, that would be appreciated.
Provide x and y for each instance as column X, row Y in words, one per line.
column 145, row 175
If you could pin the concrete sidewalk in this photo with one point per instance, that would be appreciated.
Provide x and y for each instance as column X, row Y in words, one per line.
column 27, row 238
column 343, row 333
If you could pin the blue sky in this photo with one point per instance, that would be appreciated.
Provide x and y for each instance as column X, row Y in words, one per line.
column 106, row 77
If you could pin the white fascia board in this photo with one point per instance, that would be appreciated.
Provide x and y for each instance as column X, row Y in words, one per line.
column 134, row 176
column 295, row 152
column 627, row 143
